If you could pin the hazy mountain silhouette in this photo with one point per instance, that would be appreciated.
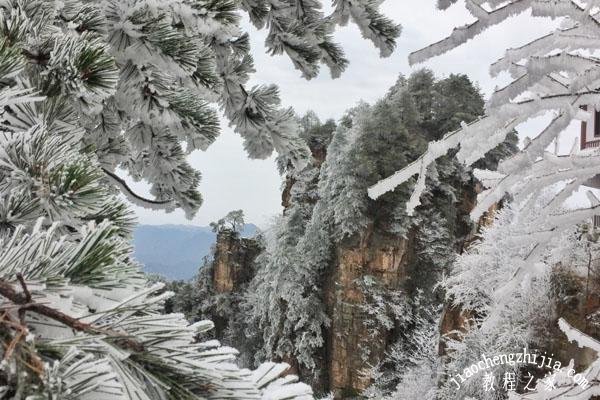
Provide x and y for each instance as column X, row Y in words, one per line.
column 175, row 251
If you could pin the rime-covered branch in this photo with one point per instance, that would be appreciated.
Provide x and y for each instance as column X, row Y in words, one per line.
column 546, row 81
column 24, row 302
column 506, row 276
column 568, row 383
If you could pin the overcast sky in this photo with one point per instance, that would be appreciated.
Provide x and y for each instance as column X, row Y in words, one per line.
column 231, row 181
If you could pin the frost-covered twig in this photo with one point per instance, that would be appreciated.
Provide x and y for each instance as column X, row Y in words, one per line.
column 566, row 383
column 24, row 303
column 553, row 74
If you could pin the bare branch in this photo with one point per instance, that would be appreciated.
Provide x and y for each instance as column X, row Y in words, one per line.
column 134, row 197
column 24, row 287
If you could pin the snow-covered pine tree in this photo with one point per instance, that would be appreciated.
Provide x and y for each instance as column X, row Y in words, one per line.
column 78, row 319
column 555, row 75
column 513, row 323
column 408, row 370
column 276, row 300
column 87, row 87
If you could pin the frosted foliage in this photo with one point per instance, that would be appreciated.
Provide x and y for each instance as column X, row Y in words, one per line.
column 505, row 277
column 146, row 78
column 418, row 383
column 286, row 306
column 372, row 24
column 339, row 187
column 510, row 254
column 505, row 280
column 553, row 74
column 409, row 370
column 504, row 284
column 89, row 89
column 382, row 307
column 328, row 211
column 285, row 296
column 92, row 90
column 96, row 332
column 566, row 386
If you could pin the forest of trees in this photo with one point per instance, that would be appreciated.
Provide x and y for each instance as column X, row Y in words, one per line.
column 282, row 310
column 91, row 91
column 417, row 237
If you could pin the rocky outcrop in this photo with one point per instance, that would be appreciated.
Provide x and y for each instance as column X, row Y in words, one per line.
column 233, row 264
column 353, row 345
column 454, row 321
column 228, row 275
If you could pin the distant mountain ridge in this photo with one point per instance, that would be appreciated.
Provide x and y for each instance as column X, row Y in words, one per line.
column 175, row 251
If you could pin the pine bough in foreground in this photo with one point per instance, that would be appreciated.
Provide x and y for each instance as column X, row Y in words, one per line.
column 77, row 318
column 87, row 87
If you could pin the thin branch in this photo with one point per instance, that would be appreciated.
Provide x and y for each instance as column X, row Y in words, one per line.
column 20, row 328
column 21, row 299
column 27, row 297
column 34, row 363
column 142, row 201
column 24, row 287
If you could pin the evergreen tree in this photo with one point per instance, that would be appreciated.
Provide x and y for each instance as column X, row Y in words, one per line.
column 233, row 221
column 90, row 87
column 406, row 371
column 278, row 304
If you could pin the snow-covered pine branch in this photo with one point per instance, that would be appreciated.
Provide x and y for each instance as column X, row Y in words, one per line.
column 88, row 324
column 87, row 88
column 372, row 24
column 145, row 76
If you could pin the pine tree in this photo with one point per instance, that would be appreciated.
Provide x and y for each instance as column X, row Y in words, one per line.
column 406, row 371
column 91, row 89
column 508, row 325
column 287, row 318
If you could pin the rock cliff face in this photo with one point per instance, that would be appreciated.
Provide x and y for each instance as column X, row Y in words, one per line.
column 230, row 271
column 233, row 261
column 385, row 259
column 352, row 345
